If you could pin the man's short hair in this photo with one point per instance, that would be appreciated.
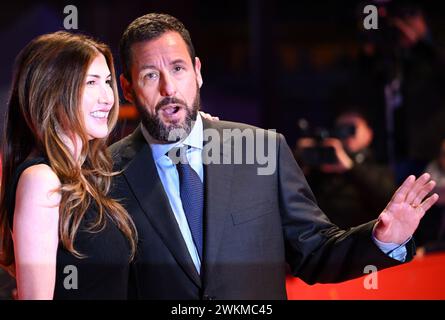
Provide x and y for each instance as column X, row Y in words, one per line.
column 149, row 27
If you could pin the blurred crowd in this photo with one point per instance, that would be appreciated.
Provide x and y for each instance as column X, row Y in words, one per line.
column 390, row 124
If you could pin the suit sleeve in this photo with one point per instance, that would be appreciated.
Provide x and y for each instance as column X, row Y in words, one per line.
column 316, row 249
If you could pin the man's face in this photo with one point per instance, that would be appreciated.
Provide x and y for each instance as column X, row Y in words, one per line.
column 165, row 85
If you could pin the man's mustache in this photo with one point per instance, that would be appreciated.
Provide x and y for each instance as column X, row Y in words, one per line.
column 170, row 100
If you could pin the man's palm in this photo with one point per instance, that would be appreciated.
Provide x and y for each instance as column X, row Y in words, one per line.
column 402, row 215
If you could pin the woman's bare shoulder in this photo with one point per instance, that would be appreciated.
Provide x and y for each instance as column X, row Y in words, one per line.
column 40, row 184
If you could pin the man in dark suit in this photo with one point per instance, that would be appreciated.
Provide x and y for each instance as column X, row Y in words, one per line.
column 222, row 207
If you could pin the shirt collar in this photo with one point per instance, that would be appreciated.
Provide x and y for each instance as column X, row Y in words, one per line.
column 194, row 140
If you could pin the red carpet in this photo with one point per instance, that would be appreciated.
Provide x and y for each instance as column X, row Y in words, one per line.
column 423, row 278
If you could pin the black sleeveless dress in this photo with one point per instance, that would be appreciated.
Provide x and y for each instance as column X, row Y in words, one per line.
column 103, row 273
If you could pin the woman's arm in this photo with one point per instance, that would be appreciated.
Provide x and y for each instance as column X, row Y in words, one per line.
column 36, row 219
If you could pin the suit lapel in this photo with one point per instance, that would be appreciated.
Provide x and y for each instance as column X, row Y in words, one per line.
column 144, row 181
column 218, row 180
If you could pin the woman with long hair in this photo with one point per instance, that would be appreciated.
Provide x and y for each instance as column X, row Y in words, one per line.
column 61, row 236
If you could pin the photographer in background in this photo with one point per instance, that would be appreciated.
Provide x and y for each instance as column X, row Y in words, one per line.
column 349, row 184
column 400, row 75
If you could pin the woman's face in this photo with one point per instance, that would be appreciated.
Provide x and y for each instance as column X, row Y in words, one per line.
column 97, row 98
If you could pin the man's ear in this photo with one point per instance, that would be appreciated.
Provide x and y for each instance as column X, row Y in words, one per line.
column 198, row 71
column 126, row 88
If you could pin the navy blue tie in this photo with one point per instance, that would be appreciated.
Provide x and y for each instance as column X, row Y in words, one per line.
column 192, row 197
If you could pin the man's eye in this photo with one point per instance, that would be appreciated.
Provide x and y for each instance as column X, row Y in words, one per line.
column 151, row 76
column 178, row 68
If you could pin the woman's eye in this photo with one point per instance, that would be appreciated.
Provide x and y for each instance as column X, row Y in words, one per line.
column 91, row 82
column 109, row 82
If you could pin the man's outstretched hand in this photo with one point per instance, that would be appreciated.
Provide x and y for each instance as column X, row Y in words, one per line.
column 402, row 215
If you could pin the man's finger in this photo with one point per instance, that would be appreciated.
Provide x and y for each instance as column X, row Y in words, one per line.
column 401, row 193
column 412, row 194
column 428, row 203
column 426, row 189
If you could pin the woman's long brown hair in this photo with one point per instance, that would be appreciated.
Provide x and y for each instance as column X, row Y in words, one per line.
column 49, row 79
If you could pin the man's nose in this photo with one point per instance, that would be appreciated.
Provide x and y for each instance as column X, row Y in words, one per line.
column 167, row 86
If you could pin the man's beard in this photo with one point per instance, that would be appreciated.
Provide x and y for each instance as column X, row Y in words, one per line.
column 171, row 132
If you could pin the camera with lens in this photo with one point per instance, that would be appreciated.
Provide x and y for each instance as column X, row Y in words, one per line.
column 318, row 154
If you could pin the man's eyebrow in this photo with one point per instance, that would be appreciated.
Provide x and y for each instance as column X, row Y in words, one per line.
column 147, row 66
column 151, row 66
column 177, row 61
